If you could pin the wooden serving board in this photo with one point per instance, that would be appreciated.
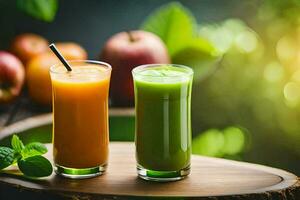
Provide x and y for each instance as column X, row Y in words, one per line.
column 211, row 178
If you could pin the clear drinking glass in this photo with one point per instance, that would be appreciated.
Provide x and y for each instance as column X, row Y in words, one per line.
column 80, row 118
column 163, row 121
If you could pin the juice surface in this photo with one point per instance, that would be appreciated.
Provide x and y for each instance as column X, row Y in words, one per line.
column 163, row 124
column 80, row 113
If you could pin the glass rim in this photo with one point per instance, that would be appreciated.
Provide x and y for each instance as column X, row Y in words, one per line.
column 96, row 62
column 135, row 71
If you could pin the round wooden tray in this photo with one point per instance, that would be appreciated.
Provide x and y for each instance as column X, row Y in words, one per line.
column 210, row 177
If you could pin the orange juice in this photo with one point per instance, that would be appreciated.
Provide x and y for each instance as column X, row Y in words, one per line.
column 80, row 118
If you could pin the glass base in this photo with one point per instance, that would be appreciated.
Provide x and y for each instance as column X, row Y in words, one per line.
column 82, row 173
column 162, row 176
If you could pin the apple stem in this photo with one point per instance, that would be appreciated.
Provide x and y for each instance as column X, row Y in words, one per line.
column 131, row 38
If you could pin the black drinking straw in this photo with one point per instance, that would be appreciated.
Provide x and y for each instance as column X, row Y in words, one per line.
column 60, row 57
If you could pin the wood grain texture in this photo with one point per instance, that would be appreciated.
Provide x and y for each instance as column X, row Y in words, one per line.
column 211, row 178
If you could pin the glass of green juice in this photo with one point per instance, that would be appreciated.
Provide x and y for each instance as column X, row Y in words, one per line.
column 163, row 121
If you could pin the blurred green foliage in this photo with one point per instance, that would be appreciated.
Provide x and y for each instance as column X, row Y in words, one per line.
column 220, row 143
column 256, row 87
column 174, row 24
column 209, row 143
column 43, row 10
column 178, row 29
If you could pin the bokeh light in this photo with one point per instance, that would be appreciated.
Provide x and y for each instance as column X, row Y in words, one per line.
column 274, row 72
column 257, row 86
column 209, row 143
column 286, row 49
column 292, row 93
column 246, row 41
column 234, row 140
column 220, row 143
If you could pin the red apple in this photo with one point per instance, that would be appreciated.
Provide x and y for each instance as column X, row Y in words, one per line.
column 126, row 50
column 11, row 76
column 28, row 45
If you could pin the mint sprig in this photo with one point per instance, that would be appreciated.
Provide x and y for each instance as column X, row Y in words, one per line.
column 17, row 144
column 35, row 166
column 6, row 157
column 28, row 157
column 34, row 149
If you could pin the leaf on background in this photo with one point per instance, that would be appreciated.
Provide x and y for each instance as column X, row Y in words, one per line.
column 44, row 10
column 177, row 28
column 173, row 23
column 6, row 157
column 17, row 144
column 36, row 166
column 34, row 149
column 199, row 55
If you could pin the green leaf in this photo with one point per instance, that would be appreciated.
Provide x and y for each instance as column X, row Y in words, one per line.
column 44, row 10
column 198, row 54
column 174, row 24
column 17, row 144
column 34, row 149
column 177, row 28
column 6, row 157
column 36, row 166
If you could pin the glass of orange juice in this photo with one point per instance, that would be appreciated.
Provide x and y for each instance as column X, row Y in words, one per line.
column 80, row 118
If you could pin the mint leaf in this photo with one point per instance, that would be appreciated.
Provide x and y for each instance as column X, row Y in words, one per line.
column 6, row 157
column 17, row 144
column 40, row 9
column 34, row 149
column 35, row 166
column 174, row 24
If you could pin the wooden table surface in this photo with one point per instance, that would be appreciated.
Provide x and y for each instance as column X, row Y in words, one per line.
column 210, row 177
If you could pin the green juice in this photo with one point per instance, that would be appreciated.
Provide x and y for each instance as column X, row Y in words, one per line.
column 163, row 120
